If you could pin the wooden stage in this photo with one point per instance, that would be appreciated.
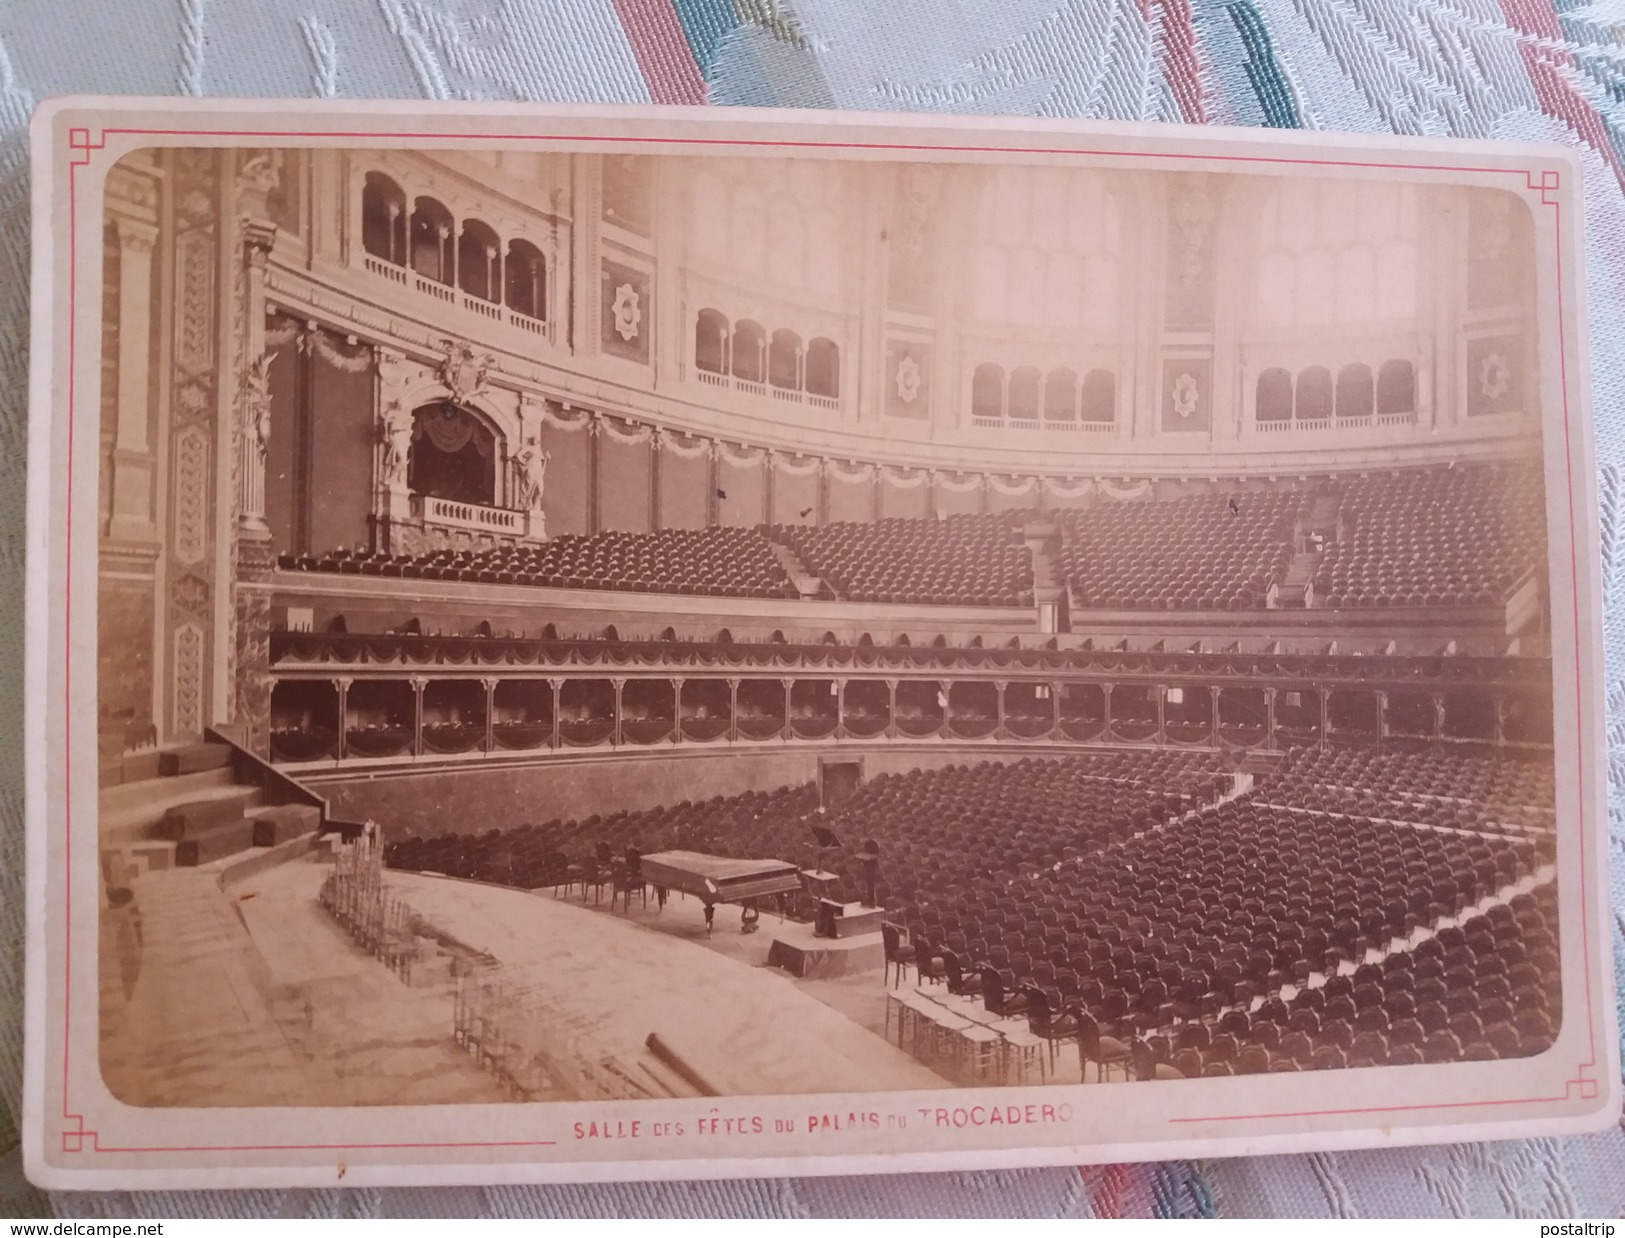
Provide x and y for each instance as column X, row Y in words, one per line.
column 745, row 1029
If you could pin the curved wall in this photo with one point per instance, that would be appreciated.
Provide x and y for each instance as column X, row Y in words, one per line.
column 915, row 281
column 476, row 799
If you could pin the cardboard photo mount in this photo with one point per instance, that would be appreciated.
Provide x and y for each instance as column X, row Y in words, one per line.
column 103, row 468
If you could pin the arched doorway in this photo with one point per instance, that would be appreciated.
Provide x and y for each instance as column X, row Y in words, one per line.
column 453, row 455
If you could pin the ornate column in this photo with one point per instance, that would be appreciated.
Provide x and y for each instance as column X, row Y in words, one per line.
column 733, row 710
column 789, row 687
column 254, row 433
column 418, row 682
column 713, row 471
column 1382, row 716
column 1106, row 710
column 131, row 518
column 1213, row 696
column 1269, row 718
column 1438, row 717
column 657, row 442
column 677, row 709
column 615, row 738
column 1055, row 711
column 554, row 741
column 244, row 684
column 999, row 686
column 392, row 502
column 840, row 709
column 594, row 473
column 946, row 689
column 343, row 685
column 1162, row 713
column 821, row 514
column 489, row 683
column 1325, row 716
column 1500, row 721
column 769, row 486
column 249, row 700
column 891, row 709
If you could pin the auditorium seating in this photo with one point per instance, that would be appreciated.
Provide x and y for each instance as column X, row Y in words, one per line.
column 1142, row 894
column 725, row 561
column 1454, row 792
column 1486, row 988
column 1461, row 536
column 936, row 829
column 964, row 560
column 1202, row 552
column 1456, row 537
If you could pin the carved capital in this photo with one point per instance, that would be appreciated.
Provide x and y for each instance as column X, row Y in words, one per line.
column 418, row 682
column 259, row 235
column 134, row 235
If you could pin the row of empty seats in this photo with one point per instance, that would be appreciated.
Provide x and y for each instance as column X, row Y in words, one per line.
column 1453, row 537
column 1202, row 552
column 723, row 562
column 967, row 560
column 1464, row 536
column 1487, row 988
column 1136, row 893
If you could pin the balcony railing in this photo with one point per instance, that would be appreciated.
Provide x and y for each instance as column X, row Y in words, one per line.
column 388, row 270
column 493, row 310
column 474, row 516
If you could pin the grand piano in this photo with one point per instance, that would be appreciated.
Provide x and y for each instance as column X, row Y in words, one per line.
column 718, row 879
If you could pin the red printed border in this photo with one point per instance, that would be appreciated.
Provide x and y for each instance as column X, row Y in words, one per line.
column 76, row 1136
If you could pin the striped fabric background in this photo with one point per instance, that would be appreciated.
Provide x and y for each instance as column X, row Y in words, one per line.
column 1541, row 69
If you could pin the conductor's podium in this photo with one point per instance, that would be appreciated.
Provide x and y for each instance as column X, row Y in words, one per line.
column 845, row 938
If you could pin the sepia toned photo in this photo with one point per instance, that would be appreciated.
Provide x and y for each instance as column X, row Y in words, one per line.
column 658, row 624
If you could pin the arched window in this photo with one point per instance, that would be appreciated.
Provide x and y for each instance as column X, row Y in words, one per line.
column 525, row 280
column 433, row 243
column 1314, row 394
column 1061, row 396
column 1396, row 388
column 711, row 342
column 383, row 219
column 1274, row 396
column 453, row 455
column 1100, row 396
column 1024, row 394
column 479, row 261
column 784, row 360
column 1354, row 391
column 823, row 368
column 749, row 349
column 987, row 392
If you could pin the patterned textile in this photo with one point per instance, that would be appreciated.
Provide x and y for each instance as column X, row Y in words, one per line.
column 1538, row 69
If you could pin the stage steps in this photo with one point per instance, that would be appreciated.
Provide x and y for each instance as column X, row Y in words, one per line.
column 192, row 809
column 1294, row 592
column 806, row 583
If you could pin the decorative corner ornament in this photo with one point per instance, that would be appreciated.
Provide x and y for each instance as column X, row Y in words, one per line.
column 1187, row 396
column 908, row 380
column 464, row 372
column 1494, row 377
column 627, row 312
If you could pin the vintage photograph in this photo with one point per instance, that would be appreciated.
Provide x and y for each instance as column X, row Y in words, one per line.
column 622, row 626
column 584, row 643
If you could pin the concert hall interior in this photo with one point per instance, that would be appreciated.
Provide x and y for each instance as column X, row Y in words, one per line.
column 1107, row 608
